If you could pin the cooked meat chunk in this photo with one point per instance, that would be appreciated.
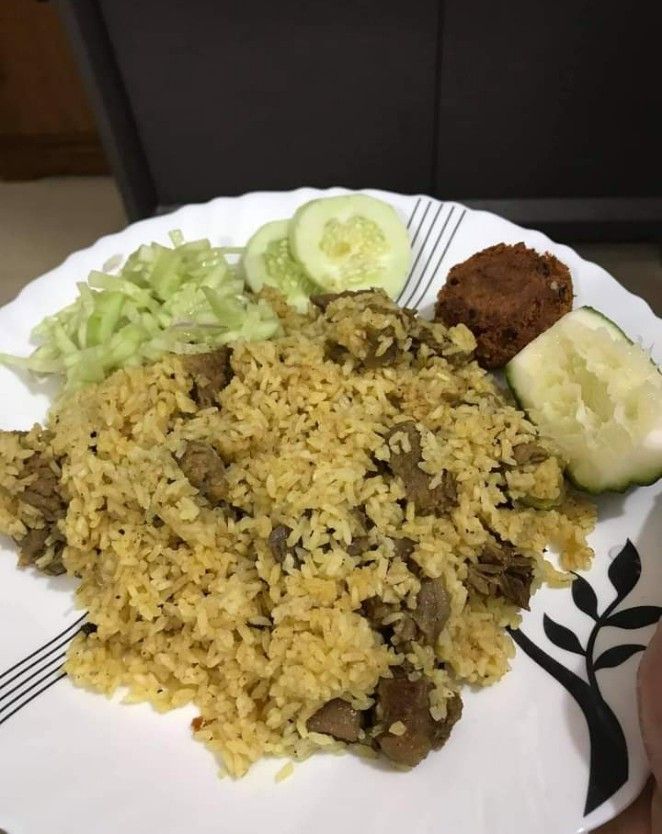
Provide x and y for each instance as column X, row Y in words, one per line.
column 404, row 631
column 55, row 566
column 404, row 548
column 375, row 610
column 404, row 462
column 506, row 295
column 529, row 453
column 33, row 545
column 205, row 470
column 432, row 609
column 211, row 372
column 400, row 700
column 423, row 333
column 376, row 355
column 335, row 352
column 380, row 345
column 423, row 624
column 358, row 545
column 405, row 702
column 322, row 300
column 363, row 518
column 278, row 542
column 442, row 729
column 502, row 571
column 43, row 493
column 337, row 718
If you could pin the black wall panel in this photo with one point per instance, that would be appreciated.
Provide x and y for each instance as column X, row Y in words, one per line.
column 238, row 95
column 550, row 99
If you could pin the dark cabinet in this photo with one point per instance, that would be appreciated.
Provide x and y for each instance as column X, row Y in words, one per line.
column 544, row 111
column 550, row 111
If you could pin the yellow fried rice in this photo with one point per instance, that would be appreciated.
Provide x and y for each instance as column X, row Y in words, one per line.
column 189, row 602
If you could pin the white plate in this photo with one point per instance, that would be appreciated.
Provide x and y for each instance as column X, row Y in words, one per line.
column 522, row 758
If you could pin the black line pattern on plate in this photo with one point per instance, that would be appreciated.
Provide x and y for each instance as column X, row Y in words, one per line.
column 18, row 684
column 421, row 248
column 608, row 766
column 420, row 225
column 78, row 623
column 414, row 237
column 46, row 686
column 435, row 271
column 413, row 290
column 413, row 214
column 443, row 255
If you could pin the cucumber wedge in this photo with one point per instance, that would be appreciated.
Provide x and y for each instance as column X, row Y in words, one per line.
column 598, row 396
column 267, row 260
column 351, row 242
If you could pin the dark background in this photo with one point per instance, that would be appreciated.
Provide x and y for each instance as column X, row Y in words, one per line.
column 546, row 112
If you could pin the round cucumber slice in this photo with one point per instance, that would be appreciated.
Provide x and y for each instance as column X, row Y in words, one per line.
column 267, row 260
column 598, row 396
column 351, row 242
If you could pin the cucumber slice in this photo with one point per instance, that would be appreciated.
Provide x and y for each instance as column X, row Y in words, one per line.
column 598, row 396
column 267, row 260
column 351, row 242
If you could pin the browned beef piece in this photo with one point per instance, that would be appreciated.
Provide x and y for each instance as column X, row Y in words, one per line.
column 372, row 356
column 33, row 546
column 44, row 491
column 399, row 632
column 205, row 470
column 404, row 548
column 373, row 339
column 404, row 631
column 422, row 333
column 335, row 352
column 337, row 718
column 211, row 372
column 432, row 609
column 501, row 571
column 405, row 464
column 322, row 300
column 442, row 729
column 363, row 518
column 44, row 494
column 278, row 542
column 529, row 453
column 55, row 566
column 408, row 702
column 358, row 545
column 338, row 353
column 375, row 610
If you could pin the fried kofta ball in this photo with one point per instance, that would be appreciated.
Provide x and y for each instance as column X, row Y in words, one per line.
column 506, row 295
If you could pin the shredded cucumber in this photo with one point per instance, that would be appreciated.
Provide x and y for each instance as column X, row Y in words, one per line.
column 185, row 299
column 268, row 260
column 351, row 242
column 598, row 396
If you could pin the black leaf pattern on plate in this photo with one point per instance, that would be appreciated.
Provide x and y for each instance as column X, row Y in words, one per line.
column 608, row 765
column 625, row 570
column 561, row 636
column 617, row 655
column 584, row 597
column 639, row 617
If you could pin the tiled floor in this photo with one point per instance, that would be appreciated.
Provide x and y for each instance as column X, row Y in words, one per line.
column 42, row 222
